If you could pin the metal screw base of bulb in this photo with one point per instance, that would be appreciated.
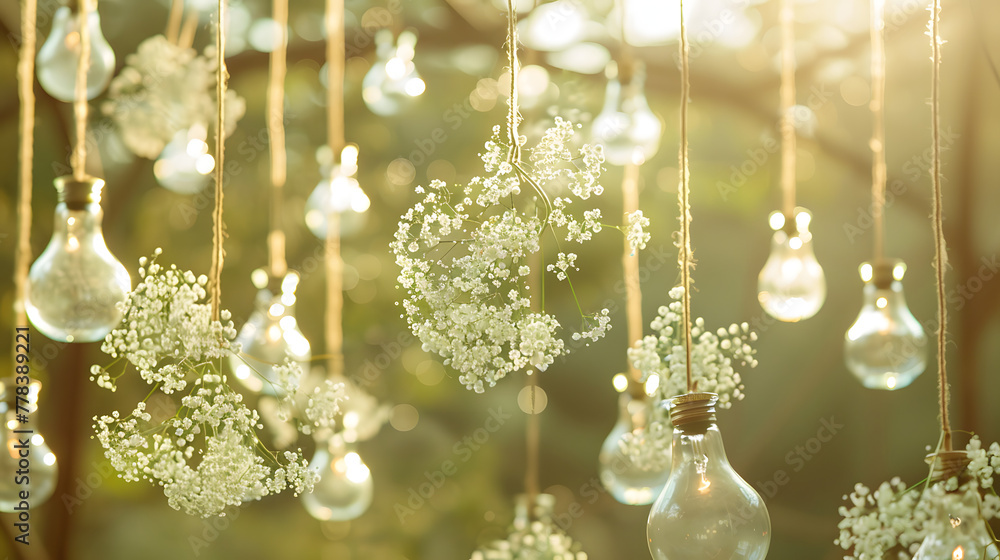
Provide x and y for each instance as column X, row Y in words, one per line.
column 693, row 407
column 946, row 464
column 78, row 194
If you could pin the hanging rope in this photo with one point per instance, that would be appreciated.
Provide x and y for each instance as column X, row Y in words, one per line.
column 940, row 250
column 877, row 106
column 685, row 259
column 78, row 161
column 533, row 433
column 276, row 132
column 26, row 93
column 787, row 107
column 532, row 425
column 513, row 115
column 335, row 53
column 174, row 21
column 633, row 288
column 218, row 227
column 630, row 258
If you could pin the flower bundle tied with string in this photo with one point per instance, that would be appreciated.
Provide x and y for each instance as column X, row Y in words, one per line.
column 174, row 333
column 465, row 252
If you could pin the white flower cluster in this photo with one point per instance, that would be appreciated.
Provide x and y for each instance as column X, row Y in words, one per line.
column 464, row 258
column 167, row 334
column 166, row 328
column 636, row 234
column 323, row 406
column 714, row 355
column 649, row 449
column 897, row 521
column 162, row 90
column 714, row 358
column 539, row 540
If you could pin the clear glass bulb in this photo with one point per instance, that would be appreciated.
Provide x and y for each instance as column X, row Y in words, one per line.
column 393, row 81
column 791, row 286
column 23, row 443
column 58, row 58
column 344, row 490
column 957, row 531
column 74, row 286
column 628, row 130
column 706, row 511
column 184, row 165
column 886, row 347
column 270, row 335
column 629, row 479
column 338, row 193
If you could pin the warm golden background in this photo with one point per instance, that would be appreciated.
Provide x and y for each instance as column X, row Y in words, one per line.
column 801, row 380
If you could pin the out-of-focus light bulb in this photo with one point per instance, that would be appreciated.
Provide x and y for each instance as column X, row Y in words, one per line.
column 554, row 26
column 957, row 531
column 628, row 130
column 338, row 193
column 76, row 283
column 185, row 166
column 393, row 80
column 626, row 478
column 58, row 58
column 345, row 489
column 885, row 348
column 706, row 510
column 791, row 286
column 270, row 335
column 38, row 465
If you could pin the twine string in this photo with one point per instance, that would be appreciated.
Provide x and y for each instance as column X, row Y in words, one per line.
column 877, row 107
column 26, row 92
column 218, row 227
column 335, row 51
column 276, row 132
column 685, row 258
column 787, row 94
column 78, row 160
column 513, row 114
column 940, row 249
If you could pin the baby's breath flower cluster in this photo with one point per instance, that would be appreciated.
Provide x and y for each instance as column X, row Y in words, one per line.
column 464, row 257
column 168, row 336
column 164, row 89
column 714, row 358
column 895, row 521
column 532, row 540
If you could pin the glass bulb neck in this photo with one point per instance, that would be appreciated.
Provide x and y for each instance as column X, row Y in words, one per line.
column 78, row 195
column 884, row 273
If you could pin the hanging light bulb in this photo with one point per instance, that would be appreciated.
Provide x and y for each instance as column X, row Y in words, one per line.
column 270, row 335
column 886, row 347
column 633, row 479
column 791, row 286
column 185, row 166
column 957, row 530
column 76, row 283
column 42, row 470
column 393, row 80
column 344, row 490
column 338, row 192
column 58, row 58
column 628, row 130
column 706, row 510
